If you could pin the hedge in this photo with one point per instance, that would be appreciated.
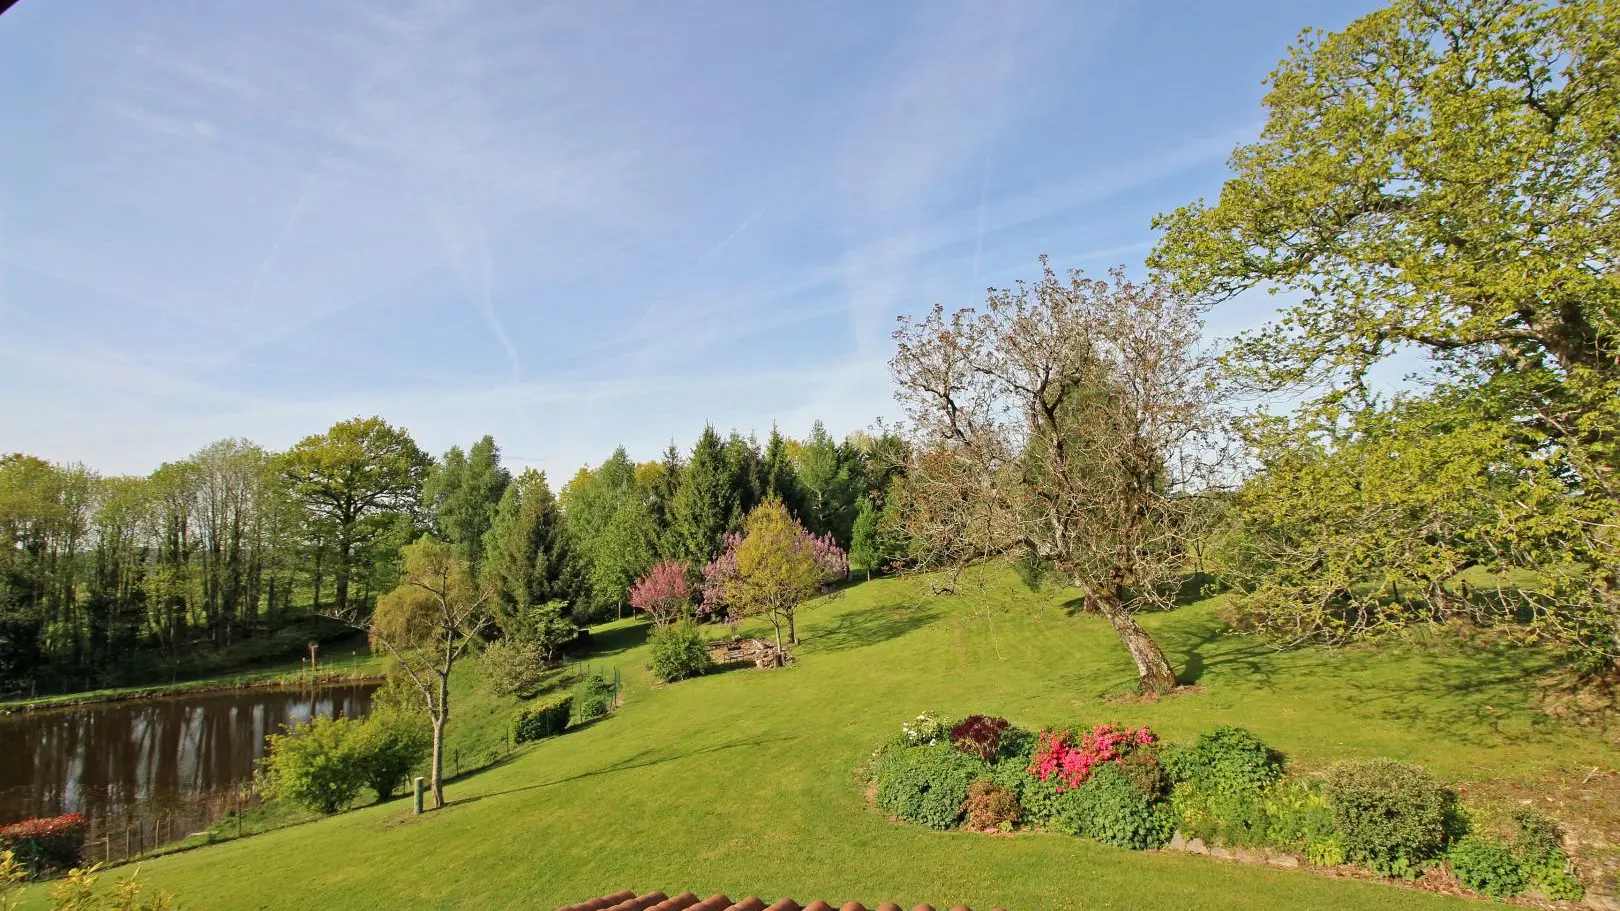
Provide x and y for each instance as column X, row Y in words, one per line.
column 543, row 717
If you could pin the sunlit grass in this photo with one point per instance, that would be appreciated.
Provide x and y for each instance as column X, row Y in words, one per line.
column 741, row 782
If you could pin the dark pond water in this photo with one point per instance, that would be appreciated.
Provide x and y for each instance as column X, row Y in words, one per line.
column 177, row 760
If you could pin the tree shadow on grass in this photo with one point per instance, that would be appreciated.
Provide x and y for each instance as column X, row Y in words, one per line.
column 656, row 756
column 1214, row 646
column 868, row 626
column 616, row 641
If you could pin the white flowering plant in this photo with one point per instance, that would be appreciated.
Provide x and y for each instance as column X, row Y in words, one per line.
column 927, row 728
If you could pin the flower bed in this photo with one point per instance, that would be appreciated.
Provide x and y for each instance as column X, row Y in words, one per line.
column 1122, row 786
column 47, row 845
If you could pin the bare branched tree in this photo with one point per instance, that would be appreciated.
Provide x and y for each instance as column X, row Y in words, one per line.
column 1068, row 423
column 426, row 624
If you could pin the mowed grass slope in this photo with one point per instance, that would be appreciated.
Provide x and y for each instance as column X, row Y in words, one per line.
column 742, row 782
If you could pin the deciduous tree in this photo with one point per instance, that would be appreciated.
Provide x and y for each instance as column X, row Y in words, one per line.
column 358, row 471
column 1063, row 422
column 426, row 625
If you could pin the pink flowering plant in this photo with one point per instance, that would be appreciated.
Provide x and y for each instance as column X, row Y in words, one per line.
column 1066, row 759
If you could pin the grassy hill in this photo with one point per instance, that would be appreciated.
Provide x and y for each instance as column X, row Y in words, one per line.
column 742, row 782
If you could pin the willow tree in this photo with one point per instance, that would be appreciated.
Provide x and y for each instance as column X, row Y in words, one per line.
column 426, row 624
column 1063, row 424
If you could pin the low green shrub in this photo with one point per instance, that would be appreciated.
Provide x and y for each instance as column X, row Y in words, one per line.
column 387, row 746
column 1299, row 819
column 1237, row 819
column 78, row 890
column 513, row 668
column 543, row 718
column 926, row 785
column 593, row 697
column 1551, row 875
column 1142, row 766
column 1109, row 807
column 678, row 651
column 1226, row 760
column 991, row 806
column 1539, row 846
column 1487, row 868
column 313, row 765
column 1389, row 815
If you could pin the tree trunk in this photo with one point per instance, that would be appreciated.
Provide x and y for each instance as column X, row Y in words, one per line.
column 341, row 597
column 1152, row 668
column 436, row 771
column 793, row 630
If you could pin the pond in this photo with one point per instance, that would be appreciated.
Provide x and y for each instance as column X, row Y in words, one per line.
column 166, row 766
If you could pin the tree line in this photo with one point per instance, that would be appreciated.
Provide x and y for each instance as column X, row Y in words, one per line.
column 234, row 551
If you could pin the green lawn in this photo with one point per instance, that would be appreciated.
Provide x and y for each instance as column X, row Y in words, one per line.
column 742, row 782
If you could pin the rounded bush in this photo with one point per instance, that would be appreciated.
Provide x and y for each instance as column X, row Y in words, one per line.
column 927, row 785
column 1486, row 868
column 593, row 697
column 678, row 652
column 991, row 806
column 314, row 764
column 1227, row 760
column 1389, row 815
column 1109, row 807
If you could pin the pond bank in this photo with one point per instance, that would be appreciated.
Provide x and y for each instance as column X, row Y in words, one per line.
column 355, row 669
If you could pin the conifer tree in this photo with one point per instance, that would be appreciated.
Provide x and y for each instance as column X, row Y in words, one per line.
column 707, row 503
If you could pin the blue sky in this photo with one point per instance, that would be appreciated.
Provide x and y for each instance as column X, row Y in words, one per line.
column 570, row 225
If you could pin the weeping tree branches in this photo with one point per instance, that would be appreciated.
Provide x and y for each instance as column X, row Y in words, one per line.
column 1067, row 423
column 438, row 611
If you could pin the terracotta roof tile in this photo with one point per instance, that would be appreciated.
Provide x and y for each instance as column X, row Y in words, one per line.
column 688, row 901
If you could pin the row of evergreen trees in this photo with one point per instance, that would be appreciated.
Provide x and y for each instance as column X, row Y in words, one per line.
column 611, row 522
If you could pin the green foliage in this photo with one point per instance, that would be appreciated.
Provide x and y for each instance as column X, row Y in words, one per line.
column 593, row 697
column 1485, row 867
column 1389, row 815
column 991, row 806
column 1143, row 768
column 314, row 765
column 513, row 668
column 77, row 891
column 609, row 520
column 387, row 746
column 1226, row 760
column 1109, row 807
column 1537, row 844
column 543, row 718
column 528, row 554
column 678, row 651
column 1433, row 177
column 1298, row 819
column 707, row 503
column 926, row 785
column 353, row 477
column 863, row 538
column 461, row 494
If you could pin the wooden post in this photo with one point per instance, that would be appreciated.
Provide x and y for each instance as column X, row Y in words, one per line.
column 312, row 647
column 419, row 789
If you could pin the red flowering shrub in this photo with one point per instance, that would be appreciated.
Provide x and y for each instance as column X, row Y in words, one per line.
column 1058, row 755
column 46, row 845
column 980, row 735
